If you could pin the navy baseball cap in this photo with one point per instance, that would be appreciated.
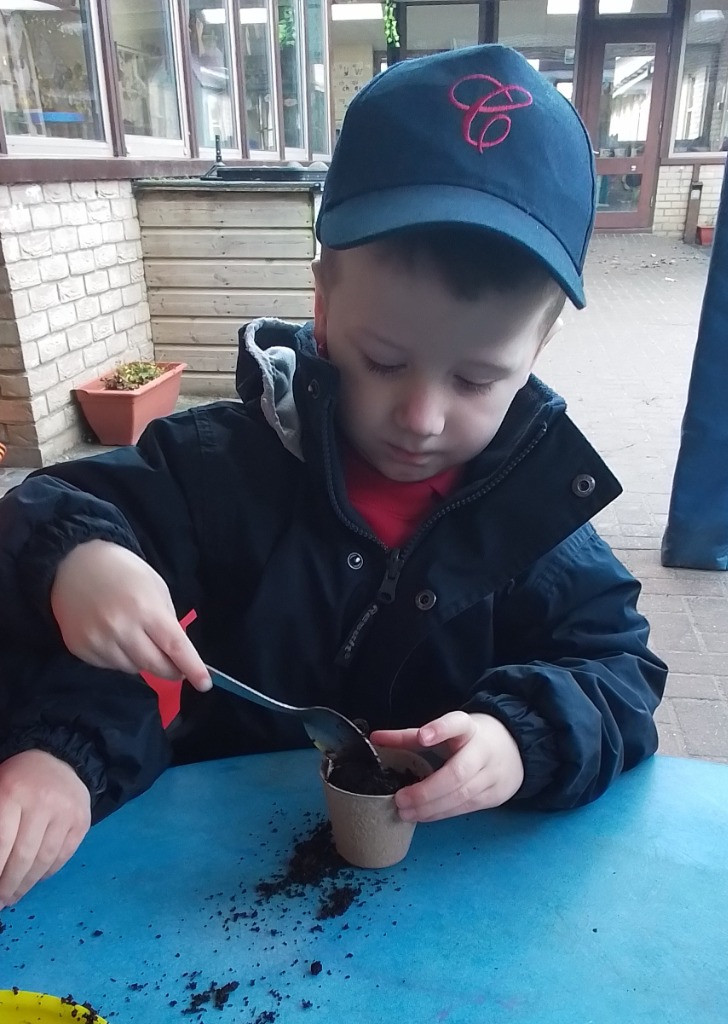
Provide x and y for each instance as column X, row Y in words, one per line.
column 473, row 137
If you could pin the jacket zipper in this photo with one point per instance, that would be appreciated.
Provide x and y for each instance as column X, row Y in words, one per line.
column 385, row 595
column 397, row 557
column 476, row 495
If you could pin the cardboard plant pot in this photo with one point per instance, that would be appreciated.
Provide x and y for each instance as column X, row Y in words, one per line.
column 119, row 417
column 368, row 831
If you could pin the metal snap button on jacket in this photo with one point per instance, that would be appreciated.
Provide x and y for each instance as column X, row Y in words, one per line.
column 355, row 561
column 425, row 600
column 583, row 485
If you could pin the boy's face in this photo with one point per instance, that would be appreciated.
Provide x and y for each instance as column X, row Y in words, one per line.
column 426, row 378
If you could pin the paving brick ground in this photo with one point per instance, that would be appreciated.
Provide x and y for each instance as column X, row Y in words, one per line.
column 623, row 365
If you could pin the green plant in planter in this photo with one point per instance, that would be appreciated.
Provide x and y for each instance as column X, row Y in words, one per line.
column 130, row 376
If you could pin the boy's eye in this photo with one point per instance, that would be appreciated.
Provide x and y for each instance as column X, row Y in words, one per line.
column 383, row 368
column 473, row 388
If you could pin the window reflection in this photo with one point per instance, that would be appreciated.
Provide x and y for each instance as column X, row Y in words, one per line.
column 289, row 39
column 255, row 46
column 212, row 88
column 142, row 34
column 48, row 80
column 701, row 124
column 319, row 126
column 624, row 108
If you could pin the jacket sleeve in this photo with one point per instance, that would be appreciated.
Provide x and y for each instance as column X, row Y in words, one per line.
column 105, row 724
column 142, row 498
column 577, row 685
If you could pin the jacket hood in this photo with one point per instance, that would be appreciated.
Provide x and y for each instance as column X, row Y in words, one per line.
column 267, row 360
column 268, row 356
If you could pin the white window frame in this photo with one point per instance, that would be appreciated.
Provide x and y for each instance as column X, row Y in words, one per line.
column 43, row 146
column 276, row 87
column 263, row 155
column 300, row 152
column 703, row 153
column 147, row 147
column 327, row 78
column 229, row 153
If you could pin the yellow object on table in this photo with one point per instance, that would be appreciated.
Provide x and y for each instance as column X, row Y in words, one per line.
column 17, row 1007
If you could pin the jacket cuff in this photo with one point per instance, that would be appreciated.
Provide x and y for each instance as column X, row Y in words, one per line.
column 61, row 742
column 535, row 738
column 39, row 566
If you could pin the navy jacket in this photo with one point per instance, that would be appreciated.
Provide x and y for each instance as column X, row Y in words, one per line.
column 506, row 601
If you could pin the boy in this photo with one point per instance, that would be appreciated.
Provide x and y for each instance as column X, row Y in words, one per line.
column 393, row 522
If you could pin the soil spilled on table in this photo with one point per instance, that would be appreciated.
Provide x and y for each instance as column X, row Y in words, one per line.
column 83, row 1012
column 313, row 862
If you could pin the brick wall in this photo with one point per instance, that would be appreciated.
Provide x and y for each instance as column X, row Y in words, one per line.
column 671, row 200
column 73, row 304
column 712, row 178
column 673, row 192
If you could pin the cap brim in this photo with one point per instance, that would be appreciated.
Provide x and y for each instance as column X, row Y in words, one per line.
column 366, row 218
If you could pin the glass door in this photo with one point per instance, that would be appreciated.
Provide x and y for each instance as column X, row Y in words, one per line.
column 625, row 96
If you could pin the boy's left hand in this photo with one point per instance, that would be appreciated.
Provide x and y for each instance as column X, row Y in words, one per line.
column 483, row 767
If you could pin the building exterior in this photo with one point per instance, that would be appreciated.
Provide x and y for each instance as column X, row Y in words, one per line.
column 95, row 90
column 98, row 94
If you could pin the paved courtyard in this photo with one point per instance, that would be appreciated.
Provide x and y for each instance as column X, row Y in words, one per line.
column 623, row 365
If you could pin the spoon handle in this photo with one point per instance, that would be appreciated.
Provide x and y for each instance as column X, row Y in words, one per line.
column 241, row 690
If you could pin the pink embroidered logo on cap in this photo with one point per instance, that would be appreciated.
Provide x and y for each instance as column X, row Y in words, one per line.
column 511, row 97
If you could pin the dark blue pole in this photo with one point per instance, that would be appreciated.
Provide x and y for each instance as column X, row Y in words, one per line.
column 697, row 527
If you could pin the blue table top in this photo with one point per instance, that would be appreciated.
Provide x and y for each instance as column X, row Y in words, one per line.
column 616, row 913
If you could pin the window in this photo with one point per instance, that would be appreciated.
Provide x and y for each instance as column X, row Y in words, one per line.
column 144, row 50
column 49, row 86
column 358, row 51
column 292, row 84
column 252, row 73
column 638, row 7
column 544, row 31
column 701, row 124
column 260, row 97
column 211, row 69
column 432, row 27
column 316, row 73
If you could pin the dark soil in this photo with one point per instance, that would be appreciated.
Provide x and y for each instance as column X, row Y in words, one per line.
column 88, row 1015
column 314, row 859
column 315, row 863
column 338, row 901
column 217, row 995
column 354, row 777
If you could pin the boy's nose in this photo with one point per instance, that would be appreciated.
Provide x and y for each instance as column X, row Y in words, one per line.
column 421, row 412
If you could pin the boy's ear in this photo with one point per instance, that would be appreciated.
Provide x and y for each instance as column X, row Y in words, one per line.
column 555, row 328
column 552, row 332
column 319, row 308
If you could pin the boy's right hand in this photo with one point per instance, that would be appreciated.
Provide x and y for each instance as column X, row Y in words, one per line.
column 114, row 611
column 45, row 811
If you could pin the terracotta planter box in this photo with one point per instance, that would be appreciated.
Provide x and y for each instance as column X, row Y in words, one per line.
column 119, row 417
column 704, row 236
